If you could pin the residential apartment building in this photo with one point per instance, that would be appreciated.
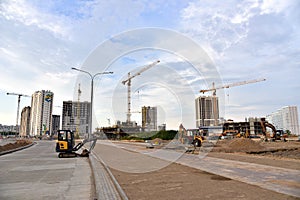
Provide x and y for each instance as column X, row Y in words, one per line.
column 41, row 113
column 55, row 124
column 75, row 116
column 25, row 122
column 286, row 118
column 149, row 118
column 207, row 111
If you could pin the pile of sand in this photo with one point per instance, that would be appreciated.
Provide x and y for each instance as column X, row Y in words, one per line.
column 244, row 145
column 17, row 144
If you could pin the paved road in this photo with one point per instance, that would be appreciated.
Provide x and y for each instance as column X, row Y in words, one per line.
column 37, row 173
column 286, row 181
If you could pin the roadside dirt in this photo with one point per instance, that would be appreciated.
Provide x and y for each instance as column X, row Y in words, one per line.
column 176, row 181
column 180, row 182
column 17, row 144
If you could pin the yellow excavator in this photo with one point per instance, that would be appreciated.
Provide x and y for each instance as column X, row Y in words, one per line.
column 67, row 148
column 276, row 134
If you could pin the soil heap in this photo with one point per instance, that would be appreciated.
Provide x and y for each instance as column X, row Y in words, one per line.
column 17, row 144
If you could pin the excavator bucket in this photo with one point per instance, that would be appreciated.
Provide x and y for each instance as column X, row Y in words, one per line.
column 85, row 152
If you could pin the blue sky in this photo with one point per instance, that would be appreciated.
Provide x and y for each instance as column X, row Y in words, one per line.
column 41, row 40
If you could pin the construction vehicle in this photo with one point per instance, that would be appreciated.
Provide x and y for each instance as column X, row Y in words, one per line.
column 196, row 140
column 276, row 135
column 66, row 147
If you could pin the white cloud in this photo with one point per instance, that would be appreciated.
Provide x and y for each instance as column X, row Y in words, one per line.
column 23, row 12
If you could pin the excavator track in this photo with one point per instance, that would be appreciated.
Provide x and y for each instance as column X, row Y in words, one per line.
column 67, row 155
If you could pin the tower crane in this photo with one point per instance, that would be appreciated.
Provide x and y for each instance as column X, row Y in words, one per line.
column 128, row 82
column 19, row 99
column 214, row 89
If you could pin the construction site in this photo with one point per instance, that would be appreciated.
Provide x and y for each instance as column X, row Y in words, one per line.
column 219, row 159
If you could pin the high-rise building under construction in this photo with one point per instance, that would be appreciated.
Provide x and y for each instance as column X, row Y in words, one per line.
column 149, row 118
column 75, row 116
column 205, row 113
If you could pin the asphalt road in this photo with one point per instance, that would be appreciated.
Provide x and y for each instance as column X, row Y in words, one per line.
column 37, row 173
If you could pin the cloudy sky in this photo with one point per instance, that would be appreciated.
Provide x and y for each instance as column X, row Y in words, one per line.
column 235, row 41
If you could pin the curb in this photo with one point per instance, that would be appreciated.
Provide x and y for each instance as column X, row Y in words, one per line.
column 16, row 149
column 111, row 186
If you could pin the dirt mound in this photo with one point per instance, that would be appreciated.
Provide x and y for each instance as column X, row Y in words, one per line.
column 238, row 145
column 17, row 144
column 244, row 145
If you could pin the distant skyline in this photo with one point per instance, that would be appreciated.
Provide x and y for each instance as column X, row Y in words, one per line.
column 41, row 40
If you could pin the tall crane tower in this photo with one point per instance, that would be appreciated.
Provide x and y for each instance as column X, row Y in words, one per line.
column 128, row 82
column 19, row 99
column 214, row 89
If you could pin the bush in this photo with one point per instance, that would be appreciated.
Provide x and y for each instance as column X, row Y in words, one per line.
column 165, row 135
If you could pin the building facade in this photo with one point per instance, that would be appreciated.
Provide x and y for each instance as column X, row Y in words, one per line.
column 41, row 113
column 207, row 111
column 149, row 118
column 286, row 118
column 25, row 122
column 55, row 124
column 75, row 116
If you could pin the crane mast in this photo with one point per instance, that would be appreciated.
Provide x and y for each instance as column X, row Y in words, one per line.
column 214, row 90
column 128, row 82
column 18, row 108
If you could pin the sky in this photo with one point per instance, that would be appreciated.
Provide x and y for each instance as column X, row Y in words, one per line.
column 198, row 42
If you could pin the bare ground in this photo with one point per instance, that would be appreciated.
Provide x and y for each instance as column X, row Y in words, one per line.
column 176, row 181
column 180, row 182
column 17, row 144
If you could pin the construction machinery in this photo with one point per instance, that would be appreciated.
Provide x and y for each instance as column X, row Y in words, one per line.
column 213, row 89
column 128, row 82
column 196, row 140
column 67, row 148
column 19, row 99
column 276, row 134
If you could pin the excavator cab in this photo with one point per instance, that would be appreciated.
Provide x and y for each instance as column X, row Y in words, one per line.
column 65, row 141
column 66, row 147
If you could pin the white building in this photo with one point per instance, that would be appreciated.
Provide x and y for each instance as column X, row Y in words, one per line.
column 41, row 113
column 286, row 118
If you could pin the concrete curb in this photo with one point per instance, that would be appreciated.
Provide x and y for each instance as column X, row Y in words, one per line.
column 106, row 185
column 16, row 149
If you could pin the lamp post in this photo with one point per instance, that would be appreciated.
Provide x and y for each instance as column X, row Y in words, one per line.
column 92, row 95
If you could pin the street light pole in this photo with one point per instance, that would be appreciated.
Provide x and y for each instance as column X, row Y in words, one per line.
column 92, row 95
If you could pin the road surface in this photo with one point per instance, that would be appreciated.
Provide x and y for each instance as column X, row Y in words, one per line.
column 37, row 173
